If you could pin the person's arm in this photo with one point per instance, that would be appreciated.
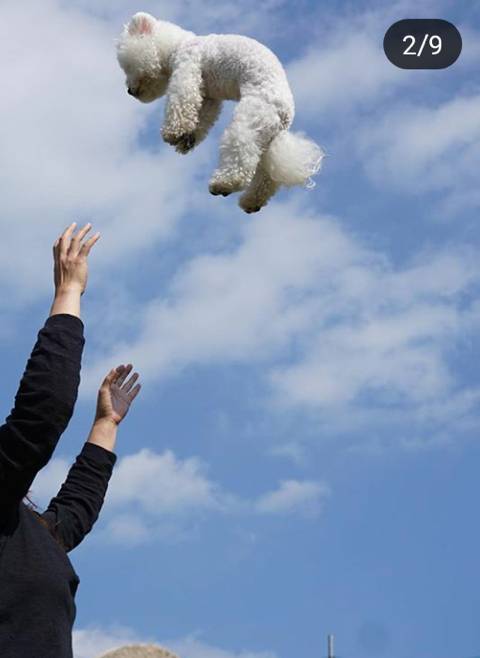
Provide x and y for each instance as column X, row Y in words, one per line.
column 72, row 513
column 43, row 406
column 49, row 386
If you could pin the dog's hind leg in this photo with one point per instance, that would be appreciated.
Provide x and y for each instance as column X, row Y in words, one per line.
column 255, row 123
column 260, row 190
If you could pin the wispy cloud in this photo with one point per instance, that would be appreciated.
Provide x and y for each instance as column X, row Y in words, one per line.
column 161, row 483
column 427, row 148
column 294, row 497
column 153, row 497
column 242, row 304
column 361, row 326
column 337, row 76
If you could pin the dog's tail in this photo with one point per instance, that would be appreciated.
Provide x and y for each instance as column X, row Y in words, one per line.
column 292, row 159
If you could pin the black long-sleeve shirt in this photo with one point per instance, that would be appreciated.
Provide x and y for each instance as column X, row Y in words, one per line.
column 37, row 580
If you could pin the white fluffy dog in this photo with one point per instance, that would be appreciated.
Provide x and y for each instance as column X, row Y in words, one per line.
column 257, row 153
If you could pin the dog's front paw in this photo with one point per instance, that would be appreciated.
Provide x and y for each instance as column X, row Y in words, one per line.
column 217, row 188
column 225, row 186
column 185, row 143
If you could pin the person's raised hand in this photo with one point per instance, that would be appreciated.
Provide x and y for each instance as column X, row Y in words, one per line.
column 116, row 394
column 70, row 258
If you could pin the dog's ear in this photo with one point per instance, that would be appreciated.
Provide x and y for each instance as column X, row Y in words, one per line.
column 141, row 23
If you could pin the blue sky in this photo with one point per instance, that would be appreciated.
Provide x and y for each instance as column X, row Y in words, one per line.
column 302, row 459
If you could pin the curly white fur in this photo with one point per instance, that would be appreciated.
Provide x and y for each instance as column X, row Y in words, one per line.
column 257, row 152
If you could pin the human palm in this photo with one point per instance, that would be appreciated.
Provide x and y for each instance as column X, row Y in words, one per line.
column 116, row 394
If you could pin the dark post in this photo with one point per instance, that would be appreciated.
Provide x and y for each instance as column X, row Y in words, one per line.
column 330, row 647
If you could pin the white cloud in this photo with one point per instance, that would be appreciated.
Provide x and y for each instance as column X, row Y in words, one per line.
column 93, row 642
column 243, row 304
column 334, row 322
column 153, row 497
column 393, row 356
column 389, row 359
column 349, row 68
column 419, row 149
column 157, row 497
column 162, row 484
column 293, row 497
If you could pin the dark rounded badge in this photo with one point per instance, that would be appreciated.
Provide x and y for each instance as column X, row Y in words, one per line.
column 422, row 43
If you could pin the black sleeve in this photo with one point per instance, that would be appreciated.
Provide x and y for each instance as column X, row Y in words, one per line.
column 43, row 406
column 74, row 510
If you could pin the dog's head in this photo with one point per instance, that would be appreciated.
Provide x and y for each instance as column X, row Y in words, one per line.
column 140, row 57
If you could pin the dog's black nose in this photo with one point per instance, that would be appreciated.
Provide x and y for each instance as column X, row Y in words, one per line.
column 130, row 92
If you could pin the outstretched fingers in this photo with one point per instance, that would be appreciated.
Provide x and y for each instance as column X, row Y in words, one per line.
column 122, row 373
column 77, row 238
column 119, row 378
column 86, row 246
column 64, row 239
column 128, row 387
column 128, row 384
column 134, row 392
column 70, row 244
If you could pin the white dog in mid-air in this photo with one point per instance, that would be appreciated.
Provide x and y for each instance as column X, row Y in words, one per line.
column 257, row 153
